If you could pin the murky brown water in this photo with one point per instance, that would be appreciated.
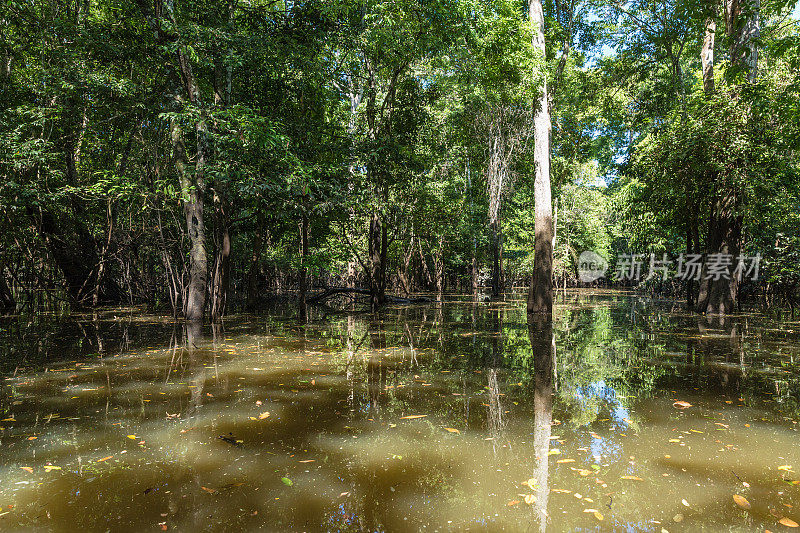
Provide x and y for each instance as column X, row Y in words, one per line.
column 118, row 422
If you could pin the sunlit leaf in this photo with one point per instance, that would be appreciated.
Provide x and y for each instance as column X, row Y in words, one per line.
column 27, row 469
column 286, row 481
column 680, row 404
column 788, row 522
column 632, row 478
column 208, row 490
column 409, row 417
column 530, row 499
column 105, row 459
column 452, row 430
column 741, row 501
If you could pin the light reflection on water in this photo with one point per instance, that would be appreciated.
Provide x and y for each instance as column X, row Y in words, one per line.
column 122, row 421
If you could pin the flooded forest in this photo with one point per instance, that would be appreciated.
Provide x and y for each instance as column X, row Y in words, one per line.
column 399, row 265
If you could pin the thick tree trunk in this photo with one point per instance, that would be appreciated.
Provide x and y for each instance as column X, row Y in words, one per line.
column 707, row 52
column 7, row 302
column 255, row 263
column 718, row 296
column 377, row 255
column 192, row 191
column 540, row 295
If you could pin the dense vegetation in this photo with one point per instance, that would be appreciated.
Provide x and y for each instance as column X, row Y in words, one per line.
column 194, row 155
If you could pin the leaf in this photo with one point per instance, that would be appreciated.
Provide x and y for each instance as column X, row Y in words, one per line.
column 632, row 478
column 554, row 451
column 452, row 430
column 208, row 490
column 27, row 469
column 263, row 415
column 410, row 417
column 741, row 501
column 307, row 461
column 105, row 459
column 530, row 483
column 785, row 468
column 48, row 468
column 561, row 461
column 590, row 510
column 512, row 502
column 685, row 503
column 530, row 499
column 788, row 522
column 680, row 404
column 598, row 515
column 286, row 481
column 132, row 437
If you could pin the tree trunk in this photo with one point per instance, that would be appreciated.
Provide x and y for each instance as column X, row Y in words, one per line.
column 377, row 236
column 497, row 258
column 303, row 257
column 718, row 296
column 7, row 302
column 192, row 190
column 255, row 260
column 220, row 284
column 707, row 52
column 540, row 295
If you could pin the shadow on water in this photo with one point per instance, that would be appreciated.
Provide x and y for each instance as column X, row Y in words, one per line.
column 622, row 413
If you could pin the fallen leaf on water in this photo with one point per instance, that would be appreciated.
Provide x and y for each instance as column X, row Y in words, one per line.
column 512, row 502
column 208, row 490
column 562, row 491
column 590, row 510
column 27, row 469
column 132, row 437
column 263, row 415
column 286, row 481
column 554, row 451
column 342, row 495
column 452, row 430
column 788, row 522
column 307, row 461
column 678, row 518
column 741, row 501
column 48, row 468
column 529, row 483
column 105, row 459
column 409, row 417
column 680, row 404
column 632, row 478
column 565, row 461
column 785, row 468
column 32, row 438
column 684, row 502
column 530, row 498
column 598, row 515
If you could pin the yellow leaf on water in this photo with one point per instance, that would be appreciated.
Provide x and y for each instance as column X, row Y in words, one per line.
column 788, row 522
column 512, row 502
column 105, row 459
column 409, row 417
column 208, row 490
column 554, row 451
column 590, row 510
column 632, row 478
column 529, row 483
column 785, row 467
column 48, row 468
column 132, row 437
column 598, row 515
column 27, row 469
column 530, row 498
column 263, row 415
column 565, row 461
column 741, row 501
column 685, row 503
column 680, row 404
column 452, row 430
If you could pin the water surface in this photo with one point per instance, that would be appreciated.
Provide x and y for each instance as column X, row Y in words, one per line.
column 630, row 415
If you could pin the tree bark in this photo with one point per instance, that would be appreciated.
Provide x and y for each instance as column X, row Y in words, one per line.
column 540, row 295
column 220, row 284
column 303, row 257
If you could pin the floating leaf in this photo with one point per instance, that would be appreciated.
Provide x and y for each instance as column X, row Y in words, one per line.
column 632, row 478
column 680, row 404
column 598, row 515
column 788, row 522
column 554, row 451
column 530, row 499
column 286, row 481
column 561, row 461
column 263, row 415
column 208, row 490
column 785, row 468
column 452, row 430
column 132, row 437
column 685, row 503
column 409, row 417
column 105, row 459
column 48, row 468
column 590, row 510
column 741, row 501
column 530, row 483
column 512, row 502
column 27, row 469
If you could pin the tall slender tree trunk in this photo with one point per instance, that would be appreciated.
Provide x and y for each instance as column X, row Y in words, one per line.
column 303, row 259
column 220, row 282
column 540, row 295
